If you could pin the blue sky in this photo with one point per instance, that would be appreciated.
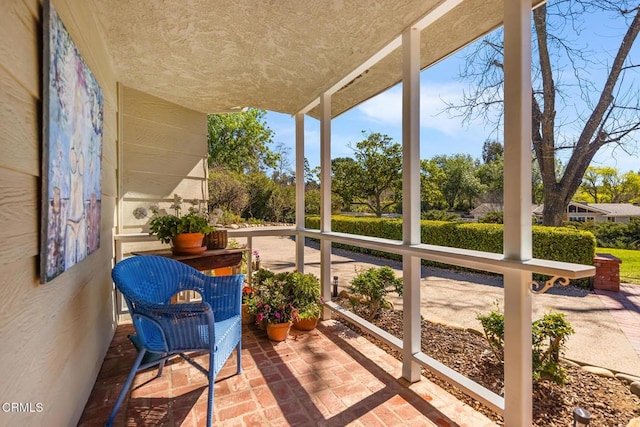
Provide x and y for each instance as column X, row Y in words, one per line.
column 440, row 133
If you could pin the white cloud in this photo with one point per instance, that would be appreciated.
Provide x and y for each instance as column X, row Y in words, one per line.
column 386, row 109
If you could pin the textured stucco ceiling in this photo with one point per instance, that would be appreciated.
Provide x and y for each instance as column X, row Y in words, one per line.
column 277, row 55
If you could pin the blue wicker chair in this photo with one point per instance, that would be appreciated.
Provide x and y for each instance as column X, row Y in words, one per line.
column 164, row 330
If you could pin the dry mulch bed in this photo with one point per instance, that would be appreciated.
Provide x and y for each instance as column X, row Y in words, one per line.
column 608, row 400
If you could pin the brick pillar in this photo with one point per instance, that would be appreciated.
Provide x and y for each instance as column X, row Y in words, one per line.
column 607, row 272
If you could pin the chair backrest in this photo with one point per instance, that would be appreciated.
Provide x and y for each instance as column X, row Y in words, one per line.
column 153, row 279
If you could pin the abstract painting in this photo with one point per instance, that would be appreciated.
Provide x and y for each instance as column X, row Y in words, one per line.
column 71, row 154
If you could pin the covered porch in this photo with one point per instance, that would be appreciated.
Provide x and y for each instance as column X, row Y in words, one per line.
column 327, row 377
column 163, row 66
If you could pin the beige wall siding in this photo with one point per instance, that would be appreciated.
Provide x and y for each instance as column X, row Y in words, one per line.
column 53, row 337
column 164, row 150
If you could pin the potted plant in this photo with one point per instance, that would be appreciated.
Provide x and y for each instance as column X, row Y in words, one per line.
column 184, row 232
column 248, row 301
column 272, row 306
column 303, row 291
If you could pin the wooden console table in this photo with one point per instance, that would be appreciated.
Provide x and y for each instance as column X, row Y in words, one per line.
column 208, row 260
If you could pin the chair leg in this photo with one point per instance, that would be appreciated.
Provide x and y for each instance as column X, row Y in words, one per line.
column 212, row 378
column 125, row 387
column 239, row 358
column 161, row 367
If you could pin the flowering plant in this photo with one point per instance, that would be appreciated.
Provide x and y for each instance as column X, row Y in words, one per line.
column 248, row 294
column 271, row 305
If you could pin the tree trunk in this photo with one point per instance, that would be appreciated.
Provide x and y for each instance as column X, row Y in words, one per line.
column 554, row 212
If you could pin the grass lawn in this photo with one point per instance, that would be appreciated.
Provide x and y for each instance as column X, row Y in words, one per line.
column 630, row 267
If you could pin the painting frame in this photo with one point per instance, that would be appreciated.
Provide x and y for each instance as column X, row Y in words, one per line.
column 72, row 129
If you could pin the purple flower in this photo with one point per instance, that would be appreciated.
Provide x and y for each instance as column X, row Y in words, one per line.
column 277, row 315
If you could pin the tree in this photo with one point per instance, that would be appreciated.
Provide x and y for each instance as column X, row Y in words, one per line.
column 343, row 183
column 492, row 151
column 282, row 204
column 282, row 173
column 227, row 190
column 461, row 187
column 431, row 179
column 491, row 176
column 371, row 178
column 311, row 179
column 260, row 188
column 611, row 114
column 631, row 187
column 606, row 185
column 240, row 141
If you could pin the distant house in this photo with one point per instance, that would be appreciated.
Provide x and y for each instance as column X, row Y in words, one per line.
column 576, row 211
column 598, row 212
column 485, row 208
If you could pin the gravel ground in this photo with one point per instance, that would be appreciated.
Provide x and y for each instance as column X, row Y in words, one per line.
column 608, row 400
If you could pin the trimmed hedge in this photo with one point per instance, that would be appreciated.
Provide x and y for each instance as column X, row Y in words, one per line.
column 554, row 243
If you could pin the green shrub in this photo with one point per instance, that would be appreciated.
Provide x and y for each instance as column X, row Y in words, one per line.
column 492, row 218
column 549, row 336
column 372, row 286
column 434, row 215
column 612, row 234
column 553, row 243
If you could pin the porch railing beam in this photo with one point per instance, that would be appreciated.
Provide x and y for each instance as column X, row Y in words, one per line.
column 411, row 201
column 483, row 261
column 518, row 409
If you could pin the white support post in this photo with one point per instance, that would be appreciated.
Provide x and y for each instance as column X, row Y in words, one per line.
column 250, row 259
column 411, row 343
column 300, row 185
column 517, row 211
column 325, row 199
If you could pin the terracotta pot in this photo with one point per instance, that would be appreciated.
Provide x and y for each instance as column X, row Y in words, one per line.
column 306, row 324
column 216, row 239
column 278, row 331
column 247, row 318
column 188, row 244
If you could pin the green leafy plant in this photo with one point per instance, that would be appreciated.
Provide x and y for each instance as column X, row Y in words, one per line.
column 549, row 339
column 303, row 291
column 549, row 336
column 166, row 227
column 493, row 327
column 373, row 285
column 261, row 275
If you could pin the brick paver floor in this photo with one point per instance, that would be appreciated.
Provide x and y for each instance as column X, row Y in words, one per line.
column 326, row 377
